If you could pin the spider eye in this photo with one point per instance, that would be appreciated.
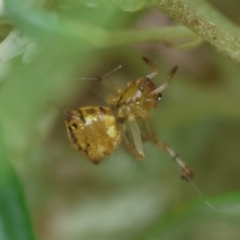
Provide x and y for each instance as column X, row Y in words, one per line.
column 159, row 96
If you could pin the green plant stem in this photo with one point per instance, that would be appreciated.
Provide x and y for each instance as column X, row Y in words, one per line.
column 36, row 21
column 108, row 39
column 206, row 23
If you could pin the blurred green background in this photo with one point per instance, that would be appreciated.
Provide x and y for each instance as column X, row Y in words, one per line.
column 49, row 52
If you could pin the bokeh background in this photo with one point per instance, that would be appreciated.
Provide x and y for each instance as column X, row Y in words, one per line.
column 65, row 195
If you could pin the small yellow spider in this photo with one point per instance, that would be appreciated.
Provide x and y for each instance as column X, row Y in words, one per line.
column 96, row 131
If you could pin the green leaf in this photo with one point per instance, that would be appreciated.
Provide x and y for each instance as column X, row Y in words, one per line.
column 15, row 223
column 187, row 220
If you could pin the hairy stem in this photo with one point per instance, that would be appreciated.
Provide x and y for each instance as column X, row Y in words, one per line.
column 207, row 23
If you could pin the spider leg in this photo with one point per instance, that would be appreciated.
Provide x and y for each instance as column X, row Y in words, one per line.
column 153, row 66
column 143, row 129
column 187, row 172
column 137, row 149
column 166, row 83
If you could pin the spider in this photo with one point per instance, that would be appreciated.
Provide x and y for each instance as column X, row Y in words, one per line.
column 96, row 131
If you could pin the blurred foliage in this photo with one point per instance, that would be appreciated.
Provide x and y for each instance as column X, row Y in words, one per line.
column 15, row 222
column 48, row 55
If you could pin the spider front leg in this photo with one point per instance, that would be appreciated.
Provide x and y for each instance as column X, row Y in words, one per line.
column 151, row 65
column 137, row 149
column 187, row 172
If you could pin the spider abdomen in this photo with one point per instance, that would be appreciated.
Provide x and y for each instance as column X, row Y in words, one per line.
column 93, row 131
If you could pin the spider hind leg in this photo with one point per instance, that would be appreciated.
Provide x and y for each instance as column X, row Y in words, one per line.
column 187, row 172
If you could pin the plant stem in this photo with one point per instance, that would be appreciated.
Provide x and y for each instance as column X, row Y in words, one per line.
column 108, row 39
column 208, row 24
column 36, row 21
